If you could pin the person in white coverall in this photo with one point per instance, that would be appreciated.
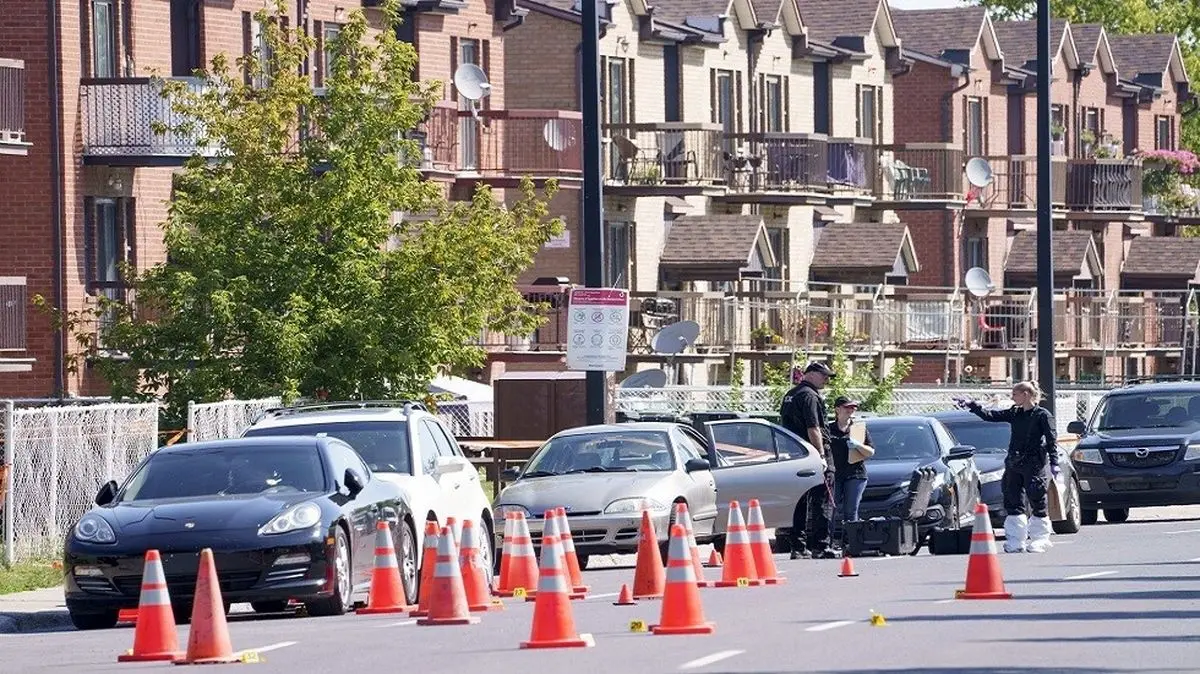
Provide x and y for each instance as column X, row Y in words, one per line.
column 1032, row 445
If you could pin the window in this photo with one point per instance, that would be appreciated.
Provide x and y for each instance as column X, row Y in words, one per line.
column 467, row 51
column 1059, row 123
column 943, row 436
column 186, row 49
column 1164, row 133
column 870, row 112
column 228, row 471
column 108, row 225
column 616, row 91
column 439, row 438
column 105, row 54
column 343, row 458
column 779, row 244
column 254, row 43
column 382, row 444
column 687, row 445
column 976, row 127
column 975, row 252
column 726, row 108
column 1092, row 123
column 672, row 84
column 428, row 448
column 329, row 33
column 773, row 103
column 742, row 443
column 616, row 256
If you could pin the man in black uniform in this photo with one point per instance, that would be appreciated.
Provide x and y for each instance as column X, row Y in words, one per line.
column 803, row 413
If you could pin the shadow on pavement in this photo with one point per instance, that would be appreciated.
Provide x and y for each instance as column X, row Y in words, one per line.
column 1155, row 595
column 1105, row 579
column 1057, row 617
column 1177, row 638
column 994, row 670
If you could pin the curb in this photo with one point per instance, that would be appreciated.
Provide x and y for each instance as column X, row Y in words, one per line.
column 41, row 621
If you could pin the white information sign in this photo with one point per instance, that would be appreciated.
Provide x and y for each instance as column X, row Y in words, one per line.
column 597, row 329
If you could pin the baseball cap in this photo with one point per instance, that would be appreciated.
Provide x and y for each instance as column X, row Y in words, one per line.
column 820, row 368
column 843, row 401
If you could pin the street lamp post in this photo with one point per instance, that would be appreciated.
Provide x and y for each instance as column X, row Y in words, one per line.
column 1045, row 257
column 593, row 196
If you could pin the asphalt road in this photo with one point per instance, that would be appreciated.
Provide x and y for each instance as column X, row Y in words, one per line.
column 1113, row 598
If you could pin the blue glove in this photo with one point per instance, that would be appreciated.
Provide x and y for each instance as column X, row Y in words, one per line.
column 963, row 403
column 1055, row 471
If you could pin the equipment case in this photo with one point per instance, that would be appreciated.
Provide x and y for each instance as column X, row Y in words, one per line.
column 894, row 535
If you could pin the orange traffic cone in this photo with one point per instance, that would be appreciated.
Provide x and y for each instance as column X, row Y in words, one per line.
column 428, row 557
column 127, row 615
column 208, row 641
column 714, row 559
column 648, row 578
column 551, row 528
column 681, row 611
column 387, row 590
column 553, row 621
column 760, row 546
column 455, row 526
column 505, row 553
column 448, row 596
column 739, row 558
column 984, row 579
column 154, row 637
column 683, row 517
column 523, row 569
column 625, row 597
column 847, row 568
column 475, row 575
column 578, row 589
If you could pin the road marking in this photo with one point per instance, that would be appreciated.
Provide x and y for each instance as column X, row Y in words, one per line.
column 271, row 647
column 945, row 601
column 602, row 596
column 710, row 659
column 829, row 626
column 1085, row 576
column 402, row 623
column 1181, row 531
column 1194, row 560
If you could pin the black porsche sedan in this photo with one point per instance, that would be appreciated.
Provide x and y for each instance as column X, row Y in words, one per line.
column 286, row 517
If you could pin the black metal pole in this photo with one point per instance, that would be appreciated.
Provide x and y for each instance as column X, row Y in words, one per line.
column 593, row 197
column 1045, row 257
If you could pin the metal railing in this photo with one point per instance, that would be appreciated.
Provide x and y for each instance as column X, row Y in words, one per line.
column 1014, row 183
column 120, row 116
column 853, row 164
column 13, row 303
column 666, row 153
column 12, row 102
column 919, row 171
column 778, row 162
column 539, row 143
column 1104, row 184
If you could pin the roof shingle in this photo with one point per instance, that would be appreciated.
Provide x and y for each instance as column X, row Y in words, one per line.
column 1069, row 248
column 1142, row 54
column 827, row 20
column 712, row 240
column 1162, row 256
column 1018, row 40
column 936, row 31
column 859, row 245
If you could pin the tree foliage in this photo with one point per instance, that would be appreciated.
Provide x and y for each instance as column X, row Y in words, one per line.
column 1124, row 17
column 287, row 272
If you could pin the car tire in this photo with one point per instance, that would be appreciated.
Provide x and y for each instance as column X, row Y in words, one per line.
column 487, row 549
column 339, row 603
column 103, row 620
column 583, row 561
column 278, row 606
column 664, row 547
column 1089, row 517
column 406, row 559
column 1116, row 515
column 182, row 611
column 1074, row 520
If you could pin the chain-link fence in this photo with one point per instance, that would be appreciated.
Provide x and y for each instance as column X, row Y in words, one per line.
column 224, row 419
column 464, row 418
column 57, row 458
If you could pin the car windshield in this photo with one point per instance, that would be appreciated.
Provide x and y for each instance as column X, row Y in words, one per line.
column 985, row 437
column 609, row 451
column 902, row 440
column 229, row 470
column 1148, row 410
column 383, row 445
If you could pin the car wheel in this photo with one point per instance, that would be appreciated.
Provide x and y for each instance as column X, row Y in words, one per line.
column 664, row 547
column 269, row 606
column 1116, row 515
column 339, row 602
column 406, row 557
column 487, row 541
column 94, row 621
column 1089, row 517
column 182, row 611
column 1074, row 519
column 583, row 560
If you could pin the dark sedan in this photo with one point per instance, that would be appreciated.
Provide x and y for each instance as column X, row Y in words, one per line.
column 903, row 444
column 990, row 441
column 286, row 517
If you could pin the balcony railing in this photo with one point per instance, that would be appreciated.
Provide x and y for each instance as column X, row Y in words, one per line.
column 12, row 106
column 669, row 153
column 853, row 164
column 120, row 116
column 920, row 172
column 13, row 303
column 778, row 162
column 1104, row 185
column 1014, row 183
column 538, row 143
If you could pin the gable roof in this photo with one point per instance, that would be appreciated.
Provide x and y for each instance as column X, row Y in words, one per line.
column 1146, row 59
column 846, row 23
column 716, row 247
column 709, row 15
column 950, row 34
column 1148, row 256
column 874, row 246
column 1074, row 253
column 1018, row 41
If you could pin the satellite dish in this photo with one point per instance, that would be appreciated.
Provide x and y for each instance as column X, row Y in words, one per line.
column 557, row 134
column 979, row 172
column 646, row 379
column 978, row 282
column 471, row 82
column 675, row 337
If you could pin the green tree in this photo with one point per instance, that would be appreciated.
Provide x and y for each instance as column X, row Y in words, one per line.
column 287, row 273
column 875, row 391
column 1124, row 17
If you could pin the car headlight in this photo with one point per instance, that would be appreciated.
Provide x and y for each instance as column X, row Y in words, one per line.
column 1193, row 453
column 502, row 511
column 1093, row 455
column 94, row 529
column 295, row 518
column 994, row 476
column 630, row 506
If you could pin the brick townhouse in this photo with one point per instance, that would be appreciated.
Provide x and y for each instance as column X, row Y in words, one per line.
column 93, row 191
column 14, row 148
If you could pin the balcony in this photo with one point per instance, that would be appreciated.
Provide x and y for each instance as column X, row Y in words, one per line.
column 517, row 143
column 1104, row 185
column 12, row 107
column 667, row 154
column 119, row 116
column 914, row 174
column 777, row 162
column 1014, row 184
column 13, row 303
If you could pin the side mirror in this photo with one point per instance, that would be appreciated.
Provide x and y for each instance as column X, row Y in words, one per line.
column 961, row 452
column 447, row 464
column 108, row 492
column 509, row 474
column 1076, row 427
column 354, row 483
column 696, row 464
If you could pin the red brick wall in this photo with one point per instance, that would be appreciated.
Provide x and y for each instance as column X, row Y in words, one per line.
column 939, row 257
column 927, row 369
column 532, row 79
column 918, row 96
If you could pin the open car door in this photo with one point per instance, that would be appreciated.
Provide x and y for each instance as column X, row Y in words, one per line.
column 754, row 458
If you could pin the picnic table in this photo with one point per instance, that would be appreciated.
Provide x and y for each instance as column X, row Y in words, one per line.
column 494, row 456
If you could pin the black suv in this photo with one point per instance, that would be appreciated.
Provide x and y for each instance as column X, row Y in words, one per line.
column 1141, row 448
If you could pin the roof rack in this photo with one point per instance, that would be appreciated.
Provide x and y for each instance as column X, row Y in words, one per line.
column 406, row 405
column 1162, row 378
